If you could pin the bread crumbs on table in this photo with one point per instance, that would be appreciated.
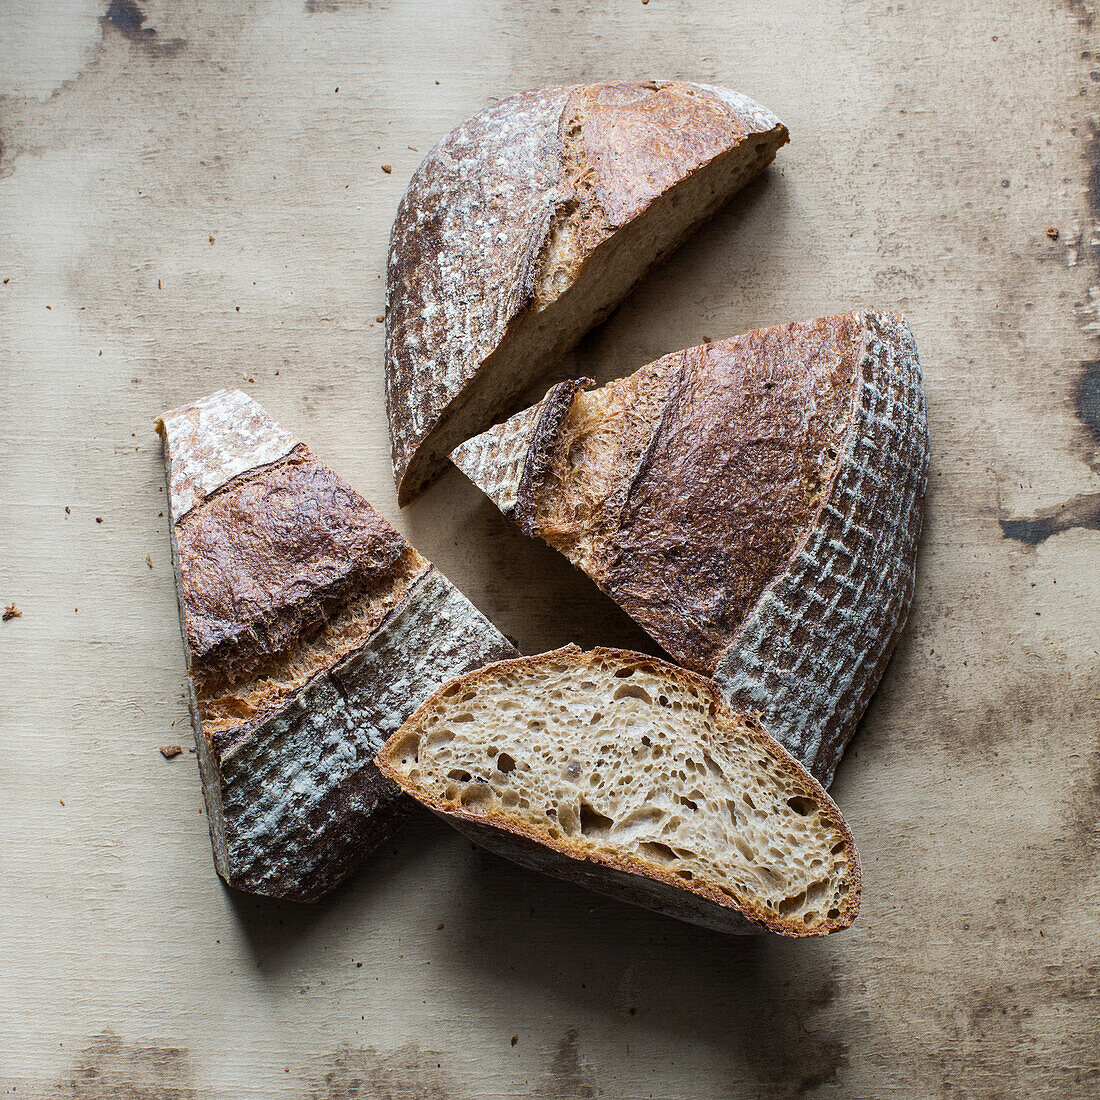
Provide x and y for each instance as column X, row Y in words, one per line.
column 1052, row 233
column 149, row 560
column 99, row 519
column 379, row 320
column 68, row 510
column 387, row 168
column 439, row 927
column 169, row 751
column 515, row 1039
column 11, row 612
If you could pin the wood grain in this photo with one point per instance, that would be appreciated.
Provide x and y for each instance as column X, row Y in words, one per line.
column 187, row 202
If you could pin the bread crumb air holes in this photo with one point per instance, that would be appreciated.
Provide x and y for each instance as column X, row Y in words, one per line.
column 697, row 796
column 593, row 823
column 632, row 691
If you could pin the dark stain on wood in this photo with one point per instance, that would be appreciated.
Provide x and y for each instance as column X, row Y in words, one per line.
column 1082, row 11
column 1082, row 511
column 571, row 1078
column 1087, row 398
column 129, row 20
column 802, row 1060
column 111, row 1067
column 1085, row 805
column 406, row 1073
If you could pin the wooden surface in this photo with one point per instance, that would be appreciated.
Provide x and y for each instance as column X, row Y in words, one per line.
column 198, row 201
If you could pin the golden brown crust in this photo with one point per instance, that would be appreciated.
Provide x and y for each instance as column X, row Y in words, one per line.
column 507, row 212
column 576, row 504
column 270, row 557
column 575, row 852
column 543, row 449
column 733, row 476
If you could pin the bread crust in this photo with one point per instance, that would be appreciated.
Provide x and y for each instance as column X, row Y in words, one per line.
column 270, row 557
column 507, row 210
column 633, row 879
column 769, row 522
column 733, row 474
column 311, row 629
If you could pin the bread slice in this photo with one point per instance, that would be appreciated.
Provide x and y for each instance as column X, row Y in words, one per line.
column 635, row 778
column 312, row 629
column 527, row 225
column 754, row 504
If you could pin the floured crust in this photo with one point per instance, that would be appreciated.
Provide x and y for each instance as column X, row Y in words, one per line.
column 637, row 880
column 819, row 639
column 291, row 587
column 508, row 212
column 691, row 490
column 213, row 441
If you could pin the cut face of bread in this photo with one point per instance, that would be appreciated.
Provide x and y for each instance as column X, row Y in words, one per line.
column 754, row 504
column 312, row 629
column 635, row 778
column 527, row 225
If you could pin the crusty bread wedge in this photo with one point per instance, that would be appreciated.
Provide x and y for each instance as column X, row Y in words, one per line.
column 633, row 777
column 312, row 629
column 754, row 504
column 527, row 225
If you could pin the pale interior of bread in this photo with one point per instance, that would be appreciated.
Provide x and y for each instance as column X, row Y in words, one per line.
column 227, row 701
column 576, row 289
column 622, row 760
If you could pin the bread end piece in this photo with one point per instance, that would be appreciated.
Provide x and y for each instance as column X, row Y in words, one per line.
column 632, row 777
column 311, row 629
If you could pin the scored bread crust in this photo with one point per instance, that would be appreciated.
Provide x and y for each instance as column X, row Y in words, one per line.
column 507, row 212
column 311, row 629
column 634, row 879
column 755, row 504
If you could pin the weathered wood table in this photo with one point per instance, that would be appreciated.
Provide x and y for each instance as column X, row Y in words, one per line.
column 196, row 195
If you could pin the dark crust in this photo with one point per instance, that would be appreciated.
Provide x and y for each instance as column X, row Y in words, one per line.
column 344, row 828
column 542, row 454
column 269, row 557
column 350, row 705
column 736, row 470
column 584, row 866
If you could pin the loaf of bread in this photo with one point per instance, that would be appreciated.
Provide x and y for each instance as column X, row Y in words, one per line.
column 754, row 504
column 528, row 224
column 312, row 630
column 635, row 778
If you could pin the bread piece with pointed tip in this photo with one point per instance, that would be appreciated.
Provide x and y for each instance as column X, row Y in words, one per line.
column 312, row 629
column 527, row 225
column 754, row 504
column 633, row 777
